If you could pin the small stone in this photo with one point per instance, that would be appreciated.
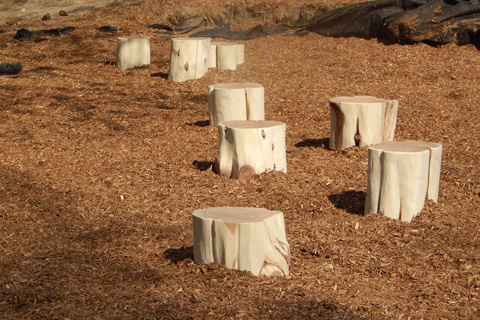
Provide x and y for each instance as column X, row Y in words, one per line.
column 46, row 16
column 63, row 13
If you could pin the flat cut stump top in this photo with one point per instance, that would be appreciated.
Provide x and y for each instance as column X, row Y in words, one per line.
column 235, row 214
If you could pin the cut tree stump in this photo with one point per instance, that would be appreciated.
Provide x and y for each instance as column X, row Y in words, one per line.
column 212, row 55
column 133, row 52
column 188, row 58
column 226, row 55
column 401, row 175
column 235, row 101
column 251, row 147
column 247, row 239
column 361, row 121
column 240, row 53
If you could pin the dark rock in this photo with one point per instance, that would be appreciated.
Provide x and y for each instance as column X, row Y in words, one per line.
column 10, row 68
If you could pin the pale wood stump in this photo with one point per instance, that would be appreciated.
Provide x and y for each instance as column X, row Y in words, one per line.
column 401, row 175
column 361, row 121
column 248, row 148
column 235, row 101
column 188, row 58
column 133, row 52
column 240, row 53
column 249, row 239
column 226, row 55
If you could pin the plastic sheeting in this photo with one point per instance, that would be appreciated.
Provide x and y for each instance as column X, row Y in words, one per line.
column 219, row 29
column 434, row 22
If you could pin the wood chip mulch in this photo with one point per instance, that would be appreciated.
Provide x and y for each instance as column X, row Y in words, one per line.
column 100, row 170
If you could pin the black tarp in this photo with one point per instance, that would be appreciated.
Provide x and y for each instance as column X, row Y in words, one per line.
column 215, row 28
column 27, row 34
column 434, row 22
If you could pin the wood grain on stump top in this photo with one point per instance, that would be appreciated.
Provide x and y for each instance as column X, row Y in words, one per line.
column 234, row 214
column 236, row 85
column 356, row 99
column 251, row 124
column 405, row 146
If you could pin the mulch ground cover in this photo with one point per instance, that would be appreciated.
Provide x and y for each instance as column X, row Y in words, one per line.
column 100, row 170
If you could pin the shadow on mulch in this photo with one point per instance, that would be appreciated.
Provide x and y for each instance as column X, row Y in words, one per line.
column 203, row 165
column 351, row 201
column 316, row 143
column 200, row 123
column 160, row 75
column 180, row 254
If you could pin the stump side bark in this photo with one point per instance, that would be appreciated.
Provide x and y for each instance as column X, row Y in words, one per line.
column 188, row 58
column 248, row 148
column 248, row 239
column 133, row 52
column 235, row 101
column 401, row 175
column 361, row 120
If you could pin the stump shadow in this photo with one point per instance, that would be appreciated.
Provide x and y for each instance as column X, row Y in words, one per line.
column 160, row 75
column 203, row 165
column 351, row 201
column 200, row 123
column 316, row 143
column 180, row 254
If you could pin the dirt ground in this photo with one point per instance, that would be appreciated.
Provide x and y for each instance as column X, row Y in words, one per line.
column 100, row 170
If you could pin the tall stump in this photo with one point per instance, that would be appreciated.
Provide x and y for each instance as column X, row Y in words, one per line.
column 401, row 175
column 188, row 58
column 251, row 147
column 362, row 121
column 235, row 101
column 249, row 239
column 133, row 52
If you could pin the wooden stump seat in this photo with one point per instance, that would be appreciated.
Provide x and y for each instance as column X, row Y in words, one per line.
column 249, row 239
column 235, row 101
column 251, row 147
column 361, row 120
column 226, row 55
column 188, row 58
column 132, row 51
column 401, row 175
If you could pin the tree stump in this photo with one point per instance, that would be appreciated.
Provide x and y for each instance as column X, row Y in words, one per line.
column 400, row 176
column 212, row 55
column 235, row 101
column 240, row 53
column 226, row 56
column 361, row 121
column 188, row 58
column 247, row 239
column 133, row 52
column 251, row 147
